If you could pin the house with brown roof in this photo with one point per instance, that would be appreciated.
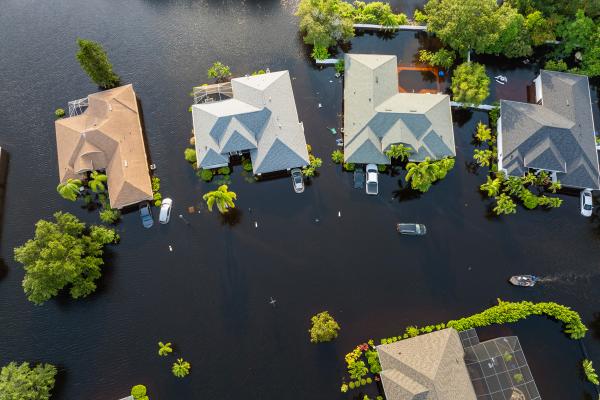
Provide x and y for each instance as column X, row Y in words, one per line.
column 107, row 136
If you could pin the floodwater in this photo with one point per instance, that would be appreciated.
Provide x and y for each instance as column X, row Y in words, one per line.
column 210, row 295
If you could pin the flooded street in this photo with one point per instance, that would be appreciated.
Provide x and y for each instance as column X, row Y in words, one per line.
column 330, row 248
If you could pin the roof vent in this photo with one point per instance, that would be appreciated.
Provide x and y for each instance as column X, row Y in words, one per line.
column 376, row 79
column 369, row 99
column 567, row 102
column 125, row 163
column 412, row 111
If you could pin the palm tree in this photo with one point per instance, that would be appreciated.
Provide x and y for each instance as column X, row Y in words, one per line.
column 181, row 368
column 421, row 175
column 483, row 157
column 222, row 197
column 483, row 133
column 554, row 186
column 444, row 166
column 96, row 182
column 164, row 349
column 529, row 178
column 69, row 189
column 492, row 186
column 399, row 151
column 505, row 205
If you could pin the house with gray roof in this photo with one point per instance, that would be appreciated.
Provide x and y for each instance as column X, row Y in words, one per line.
column 555, row 135
column 377, row 115
column 451, row 365
column 260, row 119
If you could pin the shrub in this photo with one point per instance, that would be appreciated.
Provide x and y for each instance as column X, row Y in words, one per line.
column 59, row 113
column 340, row 66
column 205, row 174
column 556, row 65
column 349, row 167
column 219, row 71
column 337, row 156
column 139, row 392
column 350, row 385
column 369, row 380
column 247, row 164
column 319, row 53
column 324, row 328
column 164, row 349
column 441, row 58
column 381, row 167
column 377, row 12
column 590, row 372
column 155, row 184
column 224, row 171
column 190, row 155
column 181, row 368
column 344, row 388
column 94, row 61
column 325, row 22
column 363, row 382
column 21, row 382
column 110, row 215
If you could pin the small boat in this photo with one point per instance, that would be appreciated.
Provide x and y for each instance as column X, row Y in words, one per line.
column 524, row 280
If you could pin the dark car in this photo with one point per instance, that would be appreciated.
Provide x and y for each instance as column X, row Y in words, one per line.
column 146, row 215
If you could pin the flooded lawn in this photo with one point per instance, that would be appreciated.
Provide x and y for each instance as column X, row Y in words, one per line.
column 210, row 295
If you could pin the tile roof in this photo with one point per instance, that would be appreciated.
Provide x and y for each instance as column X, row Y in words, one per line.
column 107, row 135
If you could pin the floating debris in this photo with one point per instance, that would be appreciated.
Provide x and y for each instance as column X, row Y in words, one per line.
column 255, row 224
column 316, row 219
column 272, row 301
column 333, row 131
column 320, row 105
column 339, row 142
column 170, row 248
column 191, row 209
column 501, row 79
column 330, row 81
column 339, row 214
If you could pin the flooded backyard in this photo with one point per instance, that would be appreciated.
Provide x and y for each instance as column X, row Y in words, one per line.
column 330, row 248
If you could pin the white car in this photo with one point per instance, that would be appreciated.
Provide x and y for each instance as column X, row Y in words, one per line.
column 372, row 185
column 297, row 180
column 165, row 211
column 586, row 202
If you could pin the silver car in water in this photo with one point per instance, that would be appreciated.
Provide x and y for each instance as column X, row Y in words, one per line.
column 411, row 229
column 297, row 180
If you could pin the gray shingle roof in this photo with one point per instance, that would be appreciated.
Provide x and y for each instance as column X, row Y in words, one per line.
column 556, row 136
column 376, row 115
column 429, row 366
column 260, row 118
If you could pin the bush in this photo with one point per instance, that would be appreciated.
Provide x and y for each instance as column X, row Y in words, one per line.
column 556, row 65
column 190, row 155
column 324, row 328
column 110, row 215
column 349, row 167
column 224, row 171
column 21, row 382
column 155, row 184
column 139, row 392
column 337, row 156
column 340, row 66
column 205, row 174
column 219, row 71
column 441, row 58
column 378, row 13
column 247, row 164
column 325, row 22
column 319, row 53
column 381, row 167
column 59, row 113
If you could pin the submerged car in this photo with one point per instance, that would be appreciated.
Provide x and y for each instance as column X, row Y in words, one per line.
column 165, row 211
column 146, row 215
column 372, row 185
column 297, row 180
column 411, row 229
column 586, row 203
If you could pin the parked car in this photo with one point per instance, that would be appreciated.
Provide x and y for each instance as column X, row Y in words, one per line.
column 146, row 214
column 411, row 229
column 165, row 211
column 586, row 203
column 372, row 186
column 297, row 180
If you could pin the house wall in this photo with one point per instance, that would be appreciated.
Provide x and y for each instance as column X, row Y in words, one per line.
column 499, row 143
column 538, row 89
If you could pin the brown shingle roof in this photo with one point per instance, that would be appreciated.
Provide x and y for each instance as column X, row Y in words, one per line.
column 108, row 135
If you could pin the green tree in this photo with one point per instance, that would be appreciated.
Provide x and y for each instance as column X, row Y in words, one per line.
column 514, row 39
column 319, row 53
column 483, row 133
column 337, row 157
column 190, row 155
column 70, row 189
column 63, row 253
column 222, row 197
column 421, row 175
column 399, row 151
column 139, row 392
column 325, row 22
column 219, row 71
column 97, row 182
column 540, row 29
column 442, row 58
column 181, row 368
column 311, row 168
column 464, row 25
column 577, row 34
column 483, row 157
column 164, row 349
column 94, row 61
column 324, row 328
column 470, row 84
column 444, row 166
column 513, row 185
column 340, row 66
column 20, row 382
column 504, row 205
column 110, row 215
column 492, row 186
column 590, row 372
